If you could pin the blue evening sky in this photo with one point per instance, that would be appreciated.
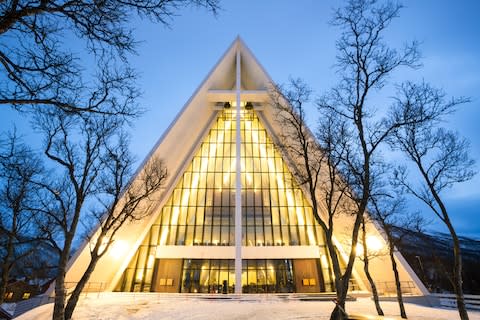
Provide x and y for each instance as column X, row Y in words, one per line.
column 293, row 38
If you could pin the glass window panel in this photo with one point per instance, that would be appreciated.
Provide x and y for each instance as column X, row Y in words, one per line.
column 196, row 164
column 285, row 235
column 201, row 197
column 225, row 197
column 209, row 198
column 268, row 235
column 260, row 240
column 166, row 215
column 265, row 179
column 142, row 255
column 219, row 160
column 198, row 235
column 292, row 215
column 277, row 235
column 294, row 235
column 258, row 218
column 204, row 277
column 256, row 151
column 274, row 197
column 267, row 217
column 164, row 240
column 204, row 153
column 302, row 236
column 217, row 197
column 200, row 215
column 187, row 179
column 282, row 202
column 181, row 235
column 275, row 216
column 283, row 215
column 189, row 235
column 258, row 197
column 308, row 216
column 250, row 236
column 191, row 216
column 211, row 159
column 154, row 231
column 202, row 179
column 182, row 218
column 217, row 217
column 177, row 193
column 228, row 137
column 249, row 196
column 225, row 235
column 232, row 236
column 216, row 235
column 207, row 235
column 208, row 215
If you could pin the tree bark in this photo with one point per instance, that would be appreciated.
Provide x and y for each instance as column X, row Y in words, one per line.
column 391, row 250
column 4, row 282
column 75, row 296
column 367, row 272
column 6, row 267
column 457, row 272
column 60, row 293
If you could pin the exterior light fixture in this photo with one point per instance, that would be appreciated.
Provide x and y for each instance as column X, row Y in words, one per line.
column 226, row 105
column 249, row 106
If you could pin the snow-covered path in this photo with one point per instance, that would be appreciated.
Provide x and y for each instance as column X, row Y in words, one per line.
column 118, row 307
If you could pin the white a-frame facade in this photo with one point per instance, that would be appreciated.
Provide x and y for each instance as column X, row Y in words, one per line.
column 231, row 218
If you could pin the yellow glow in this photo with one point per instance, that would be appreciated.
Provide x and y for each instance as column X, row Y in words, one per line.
column 139, row 276
column 281, row 184
column 374, row 244
column 323, row 260
column 150, row 261
column 118, row 249
column 195, row 182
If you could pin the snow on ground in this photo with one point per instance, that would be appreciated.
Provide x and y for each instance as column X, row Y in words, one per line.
column 168, row 307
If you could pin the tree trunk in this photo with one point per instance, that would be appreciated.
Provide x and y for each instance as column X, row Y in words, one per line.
column 4, row 280
column 73, row 300
column 60, row 295
column 457, row 273
column 367, row 272
column 403, row 313
column 3, row 283
column 339, row 312
column 60, row 290
column 6, row 265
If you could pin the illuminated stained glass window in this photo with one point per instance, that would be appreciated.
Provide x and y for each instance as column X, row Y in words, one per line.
column 201, row 208
column 274, row 210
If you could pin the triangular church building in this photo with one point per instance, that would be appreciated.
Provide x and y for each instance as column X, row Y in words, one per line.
column 231, row 218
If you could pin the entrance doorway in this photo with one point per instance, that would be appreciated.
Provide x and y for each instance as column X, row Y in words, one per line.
column 308, row 279
column 166, row 277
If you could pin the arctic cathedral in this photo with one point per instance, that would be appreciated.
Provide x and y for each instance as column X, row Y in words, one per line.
column 231, row 218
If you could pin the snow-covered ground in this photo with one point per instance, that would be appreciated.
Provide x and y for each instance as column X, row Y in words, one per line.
column 123, row 307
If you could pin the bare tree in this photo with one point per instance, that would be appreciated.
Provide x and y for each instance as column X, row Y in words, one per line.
column 440, row 156
column 38, row 68
column 388, row 211
column 92, row 165
column 19, row 236
column 316, row 164
column 364, row 63
column 121, row 202
column 367, row 256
